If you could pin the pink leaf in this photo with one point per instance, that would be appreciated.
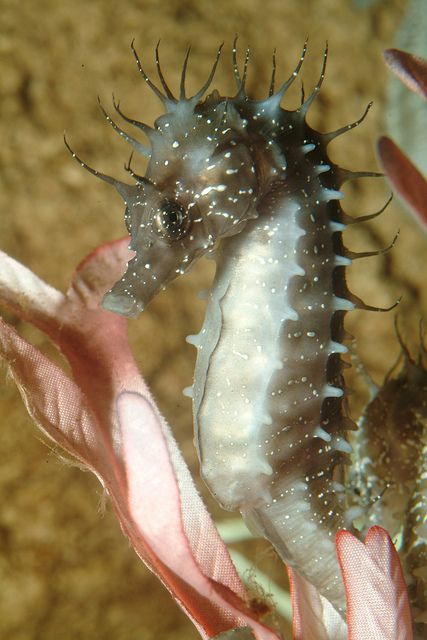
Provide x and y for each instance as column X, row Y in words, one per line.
column 405, row 178
column 377, row 601
column 410, row 70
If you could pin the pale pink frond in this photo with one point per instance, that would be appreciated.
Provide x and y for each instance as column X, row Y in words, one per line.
column 377, row 600
column 410, row 69
column 405, row 178
column 314, row 618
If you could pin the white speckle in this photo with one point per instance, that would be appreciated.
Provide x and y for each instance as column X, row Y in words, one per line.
column 244, row 356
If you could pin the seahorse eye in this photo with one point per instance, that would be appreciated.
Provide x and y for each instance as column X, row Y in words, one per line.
column 172, row 220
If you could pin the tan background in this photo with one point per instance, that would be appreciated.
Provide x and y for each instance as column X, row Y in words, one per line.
column 65, row 569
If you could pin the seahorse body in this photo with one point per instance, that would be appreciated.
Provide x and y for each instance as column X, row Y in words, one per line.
column 267, row 393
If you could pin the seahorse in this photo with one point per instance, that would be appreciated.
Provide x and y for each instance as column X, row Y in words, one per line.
column 251, row 184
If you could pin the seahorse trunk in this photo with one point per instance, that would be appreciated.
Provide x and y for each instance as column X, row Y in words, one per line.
column 267, row 397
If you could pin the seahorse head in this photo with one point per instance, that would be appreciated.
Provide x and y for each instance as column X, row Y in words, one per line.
column 199, row 186
column 211, row 161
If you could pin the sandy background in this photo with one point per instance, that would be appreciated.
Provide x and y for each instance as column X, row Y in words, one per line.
column 65, row 569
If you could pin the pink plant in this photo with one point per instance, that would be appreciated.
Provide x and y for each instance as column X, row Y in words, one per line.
column 107, row 419
column 405, row 178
